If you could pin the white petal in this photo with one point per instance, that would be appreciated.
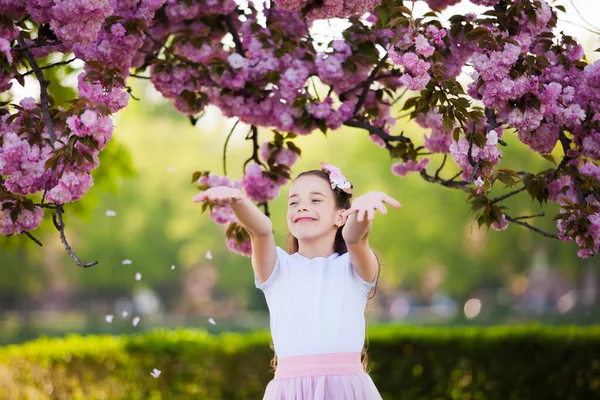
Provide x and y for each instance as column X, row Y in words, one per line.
column 172, row 267
column 111, row 213
column 136, row 320
column 212, row 321
column 208, row 255
column 127, row 262
column 108, row 318
column 138, row 276
column 124, row 314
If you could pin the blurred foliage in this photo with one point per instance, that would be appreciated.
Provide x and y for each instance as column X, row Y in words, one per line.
column 519, row 362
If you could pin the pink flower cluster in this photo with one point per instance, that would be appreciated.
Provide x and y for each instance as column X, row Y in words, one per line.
column 439, row 141
column 403, row 168
column 221, row 213
column 243, row 247
column 258, row 186
column 329, row 8
column 283, row 156
column 562, row 190
column 489, row 153
column 79, row 21
column 416, row 75
column 26, row 220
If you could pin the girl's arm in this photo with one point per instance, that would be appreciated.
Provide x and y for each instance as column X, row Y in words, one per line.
column 256, row 223
column 357, row 228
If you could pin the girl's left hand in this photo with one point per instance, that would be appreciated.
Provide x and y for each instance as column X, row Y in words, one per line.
column 368, row 203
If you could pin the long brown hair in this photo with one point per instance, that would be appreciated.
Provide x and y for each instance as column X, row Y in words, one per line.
column 342, row 201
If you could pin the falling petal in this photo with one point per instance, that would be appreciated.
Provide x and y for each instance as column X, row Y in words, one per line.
column 138, row 276
column 212, row 321
column 155, row 373
column 172, row 267
column 127, row 262
column 124, row 314
column 208, row 255
column 108, row 318
column 111, row 213
column 170, row 169
column 136, row 320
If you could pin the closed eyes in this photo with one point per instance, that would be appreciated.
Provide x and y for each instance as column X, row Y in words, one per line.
column 293, row 203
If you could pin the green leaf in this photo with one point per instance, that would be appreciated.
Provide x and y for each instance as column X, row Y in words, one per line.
column 456, row 134
column 550, row 158
column 196, row 175
column 448, row 124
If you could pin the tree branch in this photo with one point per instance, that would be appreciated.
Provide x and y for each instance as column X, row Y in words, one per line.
column 43, row 90
column 368, row 82
column 33, row 46
column 33, row 238
column 225, row 147
column 437, row 173
column 376, row 131
column 59, row 224
column 236, row 37
column 49, row 66
column 449, row 183
column 507, row 195
column 533, row 228
column 140, row 76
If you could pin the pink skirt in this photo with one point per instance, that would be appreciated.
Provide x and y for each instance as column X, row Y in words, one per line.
column 331, row 376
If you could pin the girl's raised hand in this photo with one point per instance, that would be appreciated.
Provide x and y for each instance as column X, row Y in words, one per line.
column 219, row 195
column 368, row 203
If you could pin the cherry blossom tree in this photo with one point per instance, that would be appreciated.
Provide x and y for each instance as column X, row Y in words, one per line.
column 260, row 65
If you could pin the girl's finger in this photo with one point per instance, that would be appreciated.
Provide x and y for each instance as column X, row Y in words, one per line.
column 381, row 208
column 362, row 214
column 370, row 213
column 359, row 215
column 391, row 201
column 199, row 197
column 350, row 211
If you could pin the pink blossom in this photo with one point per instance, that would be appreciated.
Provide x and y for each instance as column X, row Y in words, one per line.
column 502, row 225
column 403, row 168
column 258, row 187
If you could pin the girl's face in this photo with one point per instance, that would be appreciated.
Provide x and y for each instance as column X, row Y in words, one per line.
column 312, row 212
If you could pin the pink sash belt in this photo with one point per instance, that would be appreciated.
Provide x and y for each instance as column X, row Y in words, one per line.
column 318, row 364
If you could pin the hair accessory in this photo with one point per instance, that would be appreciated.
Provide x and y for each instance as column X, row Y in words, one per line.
column 336, row 178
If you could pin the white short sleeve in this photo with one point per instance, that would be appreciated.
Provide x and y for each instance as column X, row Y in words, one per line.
column 281, row 255
column 364, row 285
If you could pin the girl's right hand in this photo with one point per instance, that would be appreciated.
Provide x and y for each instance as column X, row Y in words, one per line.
column 219, row 195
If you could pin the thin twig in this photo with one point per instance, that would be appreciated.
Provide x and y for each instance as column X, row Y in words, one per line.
column 462, row 185
column 31, row 71
column 225, row 147
column 531, row 216
column 36, row 45
column 533, row 228
column 60, row 225
column 43, row 90
column 140, row 76
column 507, row 195
column 33, row 238
column 437, row 173
column 583, row 19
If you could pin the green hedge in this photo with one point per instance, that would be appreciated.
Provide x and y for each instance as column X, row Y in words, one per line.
column 522, row 362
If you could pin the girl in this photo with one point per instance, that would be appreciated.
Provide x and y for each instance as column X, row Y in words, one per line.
column 317, row 291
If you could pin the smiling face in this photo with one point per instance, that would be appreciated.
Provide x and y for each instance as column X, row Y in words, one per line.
column 312, row 210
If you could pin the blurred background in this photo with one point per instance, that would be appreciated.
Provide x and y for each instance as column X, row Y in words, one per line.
column 163, row 263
